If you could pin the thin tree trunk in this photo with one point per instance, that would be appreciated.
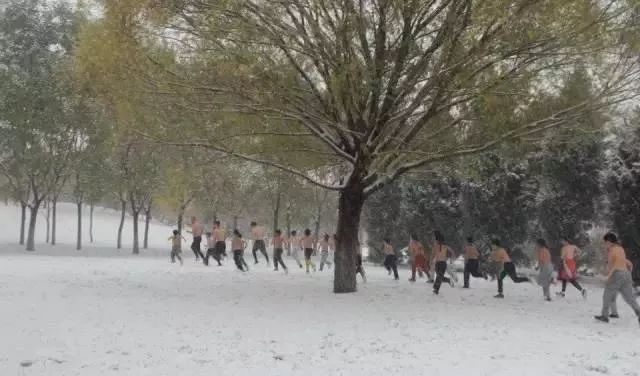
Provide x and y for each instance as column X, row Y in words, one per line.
column 276, row 213
column 147, row 220
column 136, row 245
column 180, row 221
column 235, row 222
column 350, row 206
column 91, row 222
column 23, row 220
column 288, row 220
column 123, row 211
column 48, row 223
column 32, row 226
column 54, row 206
column 79, row 238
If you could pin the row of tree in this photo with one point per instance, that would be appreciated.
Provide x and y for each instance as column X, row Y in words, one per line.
column 61, row 139
column 349, row 95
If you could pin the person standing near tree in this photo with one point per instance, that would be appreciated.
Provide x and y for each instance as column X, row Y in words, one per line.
column 569, row 267
column 278, row 248
column 324, row 251
column 545, row 268
column 176, row 246
column 197, row 229
column 390, row 258
column 294, row 244
column 471, row 262
column 501, row 256
column 441, row 254
column 308, row 244
column 417, row 254
column 257, row 235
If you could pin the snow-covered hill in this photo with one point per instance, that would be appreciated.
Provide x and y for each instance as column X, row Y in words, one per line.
column 105, row 227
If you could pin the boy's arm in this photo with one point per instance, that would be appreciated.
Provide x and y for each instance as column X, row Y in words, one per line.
column 629, row 265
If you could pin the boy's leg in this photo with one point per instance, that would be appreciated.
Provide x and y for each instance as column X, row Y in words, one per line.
column 609, row 296
column 173, row 257
column 501, row 277
column 576, row 285
column 254, row 250
column 263, row 250
column 467, row 273
column 626, row 290
column 439, row 276
column 514, row 275
column 394, row 267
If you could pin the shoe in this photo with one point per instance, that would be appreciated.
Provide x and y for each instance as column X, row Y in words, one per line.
column 614, row 316
column 485, row 276
column 286, row 271
column 451, row 283
column 275, row 270
column 584, row 294
column 300, row 265
column 548, row 299
column 499, row 296
column 430, row 281
column 396, row 279
column 412, row 279
column 255, row 263
column 465, row 287
column 435, row 292
column 560, row 294
column 602, row 318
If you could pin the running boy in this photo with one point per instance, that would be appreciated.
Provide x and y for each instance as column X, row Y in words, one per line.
column 308, row 243
column 176, row 246
column 257, row 235
column 471, row 262
column 324, row 251
column 278, row 242
column 508, row 267
column 441, row 254
column 618, row 278
column 569, row 267
column 390, row 259
column 237, row 246
column 294, row 244
column 545, row 267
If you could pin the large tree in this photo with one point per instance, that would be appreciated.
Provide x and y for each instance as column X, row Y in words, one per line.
column 376, row 88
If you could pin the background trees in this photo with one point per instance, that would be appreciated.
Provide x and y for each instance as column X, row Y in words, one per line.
column 377, row 89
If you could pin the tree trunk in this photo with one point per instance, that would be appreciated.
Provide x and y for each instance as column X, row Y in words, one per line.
column 32, row 226
column 276, row 213
column 91, row 222
column 54, row 206
column 349, row 211
column 136, row 246
column 147, row 220
column 288, row 220
column 79, row 238
column 235, row 222
column 180, row 221
column 123, row 211
column 48, row 223
column 23, row 220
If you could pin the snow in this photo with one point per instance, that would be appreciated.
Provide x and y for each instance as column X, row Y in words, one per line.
column 104, row 312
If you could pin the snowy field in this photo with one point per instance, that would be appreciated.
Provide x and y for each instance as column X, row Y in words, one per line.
column 103, row 312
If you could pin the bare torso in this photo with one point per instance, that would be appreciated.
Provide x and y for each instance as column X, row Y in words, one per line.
column 197, row 228
column 471, row 252
column 257, row 233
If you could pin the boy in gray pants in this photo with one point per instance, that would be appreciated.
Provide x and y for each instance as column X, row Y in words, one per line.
column 618, row 280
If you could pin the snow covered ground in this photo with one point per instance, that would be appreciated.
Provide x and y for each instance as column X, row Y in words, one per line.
column 103, row 312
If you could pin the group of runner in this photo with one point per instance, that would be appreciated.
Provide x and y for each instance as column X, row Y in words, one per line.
column 618, row 281
column 216, row 246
